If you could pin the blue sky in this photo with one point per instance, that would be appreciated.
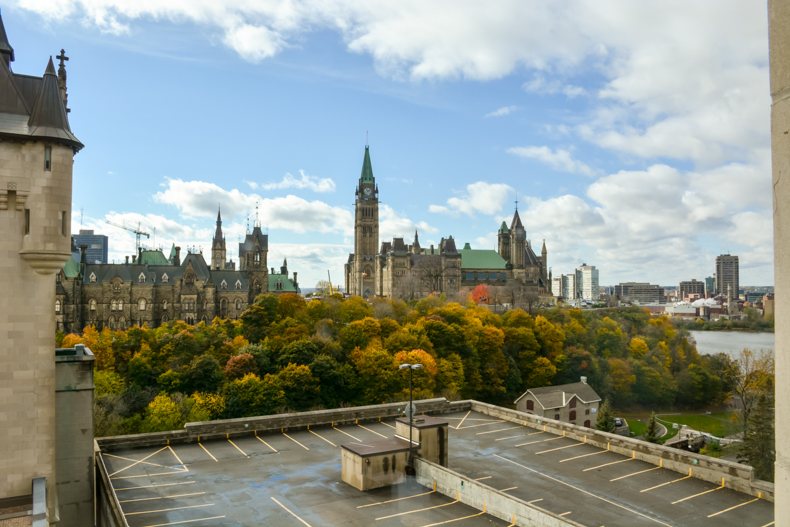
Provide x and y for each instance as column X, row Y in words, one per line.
column 634, row 135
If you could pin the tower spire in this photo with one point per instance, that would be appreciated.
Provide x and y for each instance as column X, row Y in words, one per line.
column 5, row 47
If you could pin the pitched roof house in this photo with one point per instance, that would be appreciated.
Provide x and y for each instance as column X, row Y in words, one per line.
column 575, row 403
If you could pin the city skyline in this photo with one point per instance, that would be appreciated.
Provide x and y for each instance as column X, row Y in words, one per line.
column 620, row 153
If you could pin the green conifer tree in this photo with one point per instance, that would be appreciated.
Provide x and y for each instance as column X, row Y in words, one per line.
column 758, row 448
column 605, row 420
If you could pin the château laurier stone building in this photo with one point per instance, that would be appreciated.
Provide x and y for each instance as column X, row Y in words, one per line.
column 153, row 289
column 397, row 269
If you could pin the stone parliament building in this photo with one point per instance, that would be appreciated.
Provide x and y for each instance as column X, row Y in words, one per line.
column 153, row 289
column 397, row 269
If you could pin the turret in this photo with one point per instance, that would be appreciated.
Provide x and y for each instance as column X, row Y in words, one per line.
column 218, row 251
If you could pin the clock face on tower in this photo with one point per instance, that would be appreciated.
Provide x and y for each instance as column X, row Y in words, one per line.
column 367, row 192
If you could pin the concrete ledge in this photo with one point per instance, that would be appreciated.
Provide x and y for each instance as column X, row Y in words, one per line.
column 736, row 476
column 484, row 498
column 221, row 429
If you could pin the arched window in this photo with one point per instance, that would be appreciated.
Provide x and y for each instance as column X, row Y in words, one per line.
column 57, row 306
column 165, row 278
column 587, row 423
column 141, row 304
column 92, row 304
column 120, row 305
column 572, row 415
column 122, row 323
column 111, row 322
column 164, row 317
column 530, row 404
column 113, row 305
column 223, row 285
column 223, row 307
column 238, row 304
column 92, row 278
column 238, row 284
column 164, row 305
column 141, row 278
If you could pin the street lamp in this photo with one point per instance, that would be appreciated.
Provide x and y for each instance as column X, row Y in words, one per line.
column 411, row 368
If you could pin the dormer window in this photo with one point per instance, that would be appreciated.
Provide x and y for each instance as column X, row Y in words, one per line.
column 141, row 278
column 47, row 158
column 57, row 306
column 92, row 278
column 165, row 278
column 223, row 285
column 238, row 284
column 92, row 304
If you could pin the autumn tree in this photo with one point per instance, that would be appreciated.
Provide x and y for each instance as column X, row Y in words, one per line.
column 480, row 294
column 753, row 377
column 423, row 379
column 300, row 387
column 758, row 448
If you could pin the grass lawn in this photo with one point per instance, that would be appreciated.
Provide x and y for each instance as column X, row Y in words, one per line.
column 719, row 424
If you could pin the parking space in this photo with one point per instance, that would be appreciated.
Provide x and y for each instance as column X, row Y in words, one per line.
column 590, row 485
column 278, row 478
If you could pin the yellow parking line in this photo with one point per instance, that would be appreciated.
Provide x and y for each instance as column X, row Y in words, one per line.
column 497, row 430
column 180, row 522
column 143, row 460
column 243, row 453
column 265, row 443
column 174, row 496
column 358, row 440
column 149, row 475
column 289, row 511
column 178, row 458
column 583, row 455
column 769, row 524
column 665, row 483
column 157, row 485
column 698, row 494
column 170, row 509
column 536, row 433
column 372, row 431
column 483, row 478
column 295, row 441
column 508, row 489
column 559, row 448
column 386, row 424
column 733, row 507
column 484, row 424
column 541, row 441
column 395, row 499
column 322, row 437
column 635, row 473
column 565, row 513
column 404, row 513
column 207, row 452
column 534, row 501
column 455, row 519
column 510, row 437
column 458, row 426
column 607, row 464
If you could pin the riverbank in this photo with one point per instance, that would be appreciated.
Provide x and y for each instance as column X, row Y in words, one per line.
column 732, row 342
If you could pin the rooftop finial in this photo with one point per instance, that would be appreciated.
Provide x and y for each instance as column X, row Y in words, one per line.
column 366, row 139
column 62, row 78
column 257, row 220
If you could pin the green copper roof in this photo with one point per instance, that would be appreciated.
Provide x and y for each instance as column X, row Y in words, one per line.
column 367, row 169
column 481, row 259
column 72, row 268
column 153, row 258
column 503, row 227
column 287, row 284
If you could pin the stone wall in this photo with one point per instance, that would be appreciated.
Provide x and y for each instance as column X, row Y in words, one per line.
column 484, row 498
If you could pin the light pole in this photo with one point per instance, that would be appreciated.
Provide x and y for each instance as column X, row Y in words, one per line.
column 411, row 368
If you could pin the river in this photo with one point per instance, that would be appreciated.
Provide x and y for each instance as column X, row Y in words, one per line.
column 732, row 342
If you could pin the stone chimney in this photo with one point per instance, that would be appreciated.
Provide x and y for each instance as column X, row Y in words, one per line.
column 584, row 379
column 127, row 259
column 178, row 256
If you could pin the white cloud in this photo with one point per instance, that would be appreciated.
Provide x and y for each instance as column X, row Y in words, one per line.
column 304, row 181
column 393, row 225
column 479, row 198
column 559, row 159
column 253, row 43
column 540, row 85
column 502, row 111
column 200, row 199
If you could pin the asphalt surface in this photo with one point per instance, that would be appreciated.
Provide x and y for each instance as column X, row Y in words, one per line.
column 591, row 485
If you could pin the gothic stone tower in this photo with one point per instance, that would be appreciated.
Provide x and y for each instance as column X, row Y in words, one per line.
column 218, row 252
column 37, row 151
column 253, row 255
column 366, row 233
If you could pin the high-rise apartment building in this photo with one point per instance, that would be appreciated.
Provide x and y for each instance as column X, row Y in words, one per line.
column 727, row 282
column 587, row 282
column 690, row 288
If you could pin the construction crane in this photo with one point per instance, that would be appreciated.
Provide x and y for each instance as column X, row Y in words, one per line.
column 136, row 231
